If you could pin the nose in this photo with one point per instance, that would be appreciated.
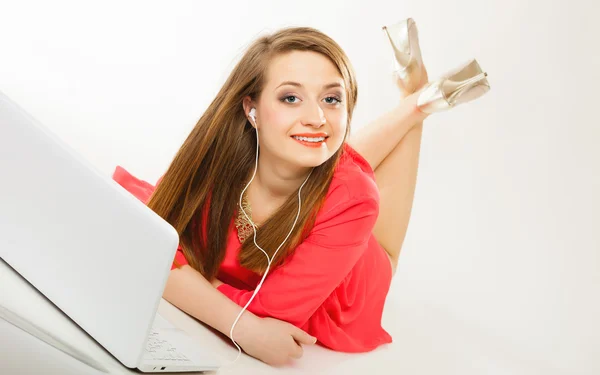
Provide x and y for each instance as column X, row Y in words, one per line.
column 313, row 116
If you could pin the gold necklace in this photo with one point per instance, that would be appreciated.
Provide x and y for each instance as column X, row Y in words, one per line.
column 243, row 225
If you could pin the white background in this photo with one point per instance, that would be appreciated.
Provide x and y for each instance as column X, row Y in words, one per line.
column 502, row 251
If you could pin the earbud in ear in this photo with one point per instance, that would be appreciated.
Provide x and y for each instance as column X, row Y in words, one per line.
column 252, row 114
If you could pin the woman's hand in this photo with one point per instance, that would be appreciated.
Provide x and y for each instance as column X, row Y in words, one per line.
column 272, row 341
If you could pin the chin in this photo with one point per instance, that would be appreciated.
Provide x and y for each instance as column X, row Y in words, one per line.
column 311, row 161
column 307, row 157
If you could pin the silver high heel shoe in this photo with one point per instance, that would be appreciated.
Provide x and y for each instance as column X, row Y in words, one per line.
column 407, row 54
column 459, row 86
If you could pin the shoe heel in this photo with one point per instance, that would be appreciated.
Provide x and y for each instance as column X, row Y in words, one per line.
column 462, row 85
column 404, row 39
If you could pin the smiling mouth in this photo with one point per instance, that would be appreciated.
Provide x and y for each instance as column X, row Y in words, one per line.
column 310, row 139
column 312, row 142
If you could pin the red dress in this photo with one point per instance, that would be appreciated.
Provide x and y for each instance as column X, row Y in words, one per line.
column 335, row 283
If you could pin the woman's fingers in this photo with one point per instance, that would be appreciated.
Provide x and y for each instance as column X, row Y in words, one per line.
column 296, row 351
column 302, row 337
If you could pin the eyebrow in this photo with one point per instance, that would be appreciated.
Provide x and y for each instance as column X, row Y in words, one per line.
column 327, row 86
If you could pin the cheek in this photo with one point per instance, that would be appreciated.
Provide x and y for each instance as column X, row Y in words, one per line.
column 276, row 121
column 339, row 123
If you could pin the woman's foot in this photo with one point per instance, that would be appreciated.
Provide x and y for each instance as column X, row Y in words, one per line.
column 463, row 84
column 410, row 71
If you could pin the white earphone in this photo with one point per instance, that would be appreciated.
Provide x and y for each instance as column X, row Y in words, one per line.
column 252, row 114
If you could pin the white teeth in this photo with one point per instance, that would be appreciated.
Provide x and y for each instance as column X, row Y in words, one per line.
column 309, row 139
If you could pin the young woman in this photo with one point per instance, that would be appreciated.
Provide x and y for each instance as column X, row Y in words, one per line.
column 292, row 95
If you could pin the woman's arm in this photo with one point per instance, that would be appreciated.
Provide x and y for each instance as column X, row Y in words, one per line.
column 216, row 283
column 272, row 341
column 212, row 308
column 294, row 291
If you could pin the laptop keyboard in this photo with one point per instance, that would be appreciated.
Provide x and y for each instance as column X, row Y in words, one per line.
column 158, row 349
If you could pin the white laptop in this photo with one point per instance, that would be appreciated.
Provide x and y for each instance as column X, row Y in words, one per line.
column 93, row 249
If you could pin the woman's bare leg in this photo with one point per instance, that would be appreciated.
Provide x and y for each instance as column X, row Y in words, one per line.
column 378, row 139
column 395, row 168
column 396, row 178
column 392, row 144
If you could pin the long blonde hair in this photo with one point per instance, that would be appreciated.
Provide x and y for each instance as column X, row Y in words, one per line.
column 199, row 193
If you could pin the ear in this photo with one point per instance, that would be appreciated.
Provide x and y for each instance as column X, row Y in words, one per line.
column 248, row 105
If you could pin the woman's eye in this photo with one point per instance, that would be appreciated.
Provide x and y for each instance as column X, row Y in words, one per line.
column 293, row 99
column 337, row 100
column 289, row 96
